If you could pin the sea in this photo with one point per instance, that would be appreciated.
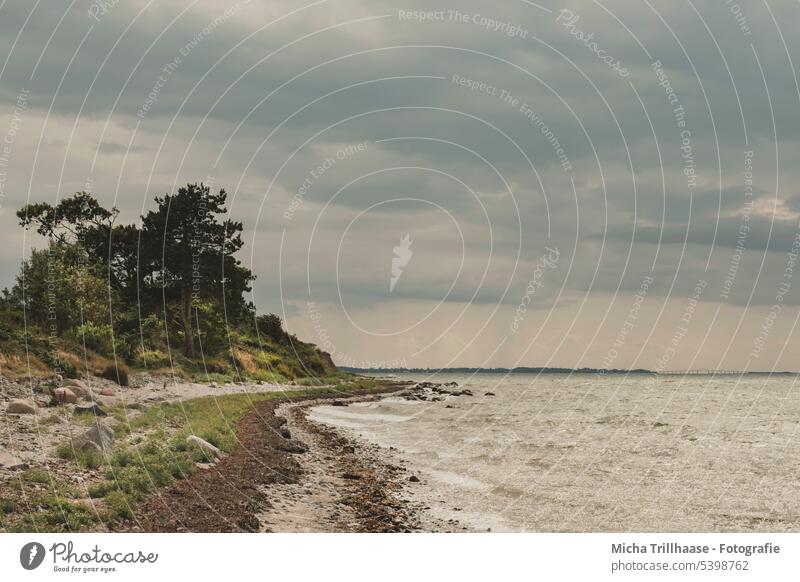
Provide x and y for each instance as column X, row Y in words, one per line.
column 595, row 453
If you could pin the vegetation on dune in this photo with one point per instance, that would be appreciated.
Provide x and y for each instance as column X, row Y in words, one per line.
column 166, row 293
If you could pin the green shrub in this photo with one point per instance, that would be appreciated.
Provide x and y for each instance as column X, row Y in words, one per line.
column 89, row 459
column 99, row 338
column 151, row 358
column 36, row 476
column 271, row 326
column 122, row 458
column 7, row 506
column 119, row 505
column 60, row 365
column 66, row 452
column 56, row 514
column 99, row 490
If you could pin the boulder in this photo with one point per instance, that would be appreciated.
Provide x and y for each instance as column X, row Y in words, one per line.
column 106, row 401
column 80, row 389
column 9, row 461
column 205, row 445
column 19, row 406
column 99, row 438
column 108, row 391
column 64, row 396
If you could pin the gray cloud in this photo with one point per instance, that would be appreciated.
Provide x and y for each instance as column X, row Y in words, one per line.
column 261, row 97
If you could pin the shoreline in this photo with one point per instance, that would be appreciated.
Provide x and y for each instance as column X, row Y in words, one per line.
column 287, row 472
column 290, row 474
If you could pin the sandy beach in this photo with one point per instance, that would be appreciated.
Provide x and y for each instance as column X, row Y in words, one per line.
column 290, row 475
column 284, row 474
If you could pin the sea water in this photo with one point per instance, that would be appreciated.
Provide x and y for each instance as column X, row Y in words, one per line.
column 581, row 452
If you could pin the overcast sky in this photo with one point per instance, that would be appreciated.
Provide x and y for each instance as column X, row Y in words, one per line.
column 608, row 184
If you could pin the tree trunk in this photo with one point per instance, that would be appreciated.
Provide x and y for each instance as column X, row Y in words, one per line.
column 186, row 318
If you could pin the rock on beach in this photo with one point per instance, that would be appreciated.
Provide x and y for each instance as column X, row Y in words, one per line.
column 20, row 406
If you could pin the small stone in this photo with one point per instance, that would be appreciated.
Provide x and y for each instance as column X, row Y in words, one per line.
column 351, row 476
column 489, row 394
column 414, row 479
column 107, row 391
column 20, row 406
column 205, row 445
column 99, row 438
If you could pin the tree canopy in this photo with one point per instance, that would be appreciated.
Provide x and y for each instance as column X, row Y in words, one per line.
column 180, row 261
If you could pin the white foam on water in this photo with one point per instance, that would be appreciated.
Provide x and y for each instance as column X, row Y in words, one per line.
column 337, row 412
column 457, row 480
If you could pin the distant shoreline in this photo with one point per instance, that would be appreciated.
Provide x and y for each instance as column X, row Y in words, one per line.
column 545, row 370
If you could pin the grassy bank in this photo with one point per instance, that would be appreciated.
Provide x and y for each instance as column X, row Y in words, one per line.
column 29, row 351
column 151, row 452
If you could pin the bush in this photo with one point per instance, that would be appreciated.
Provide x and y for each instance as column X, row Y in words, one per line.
column 271, row 326
column 100, row 490
column 151, row 358
column 119, row 505
column 7, row 506
column 118, row 374
column 60, row 364
column 86, row 459
column 122, row 458
column 99, row 338
column 36, row 476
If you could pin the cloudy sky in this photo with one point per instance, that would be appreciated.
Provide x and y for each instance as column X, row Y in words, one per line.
column 599, row 183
